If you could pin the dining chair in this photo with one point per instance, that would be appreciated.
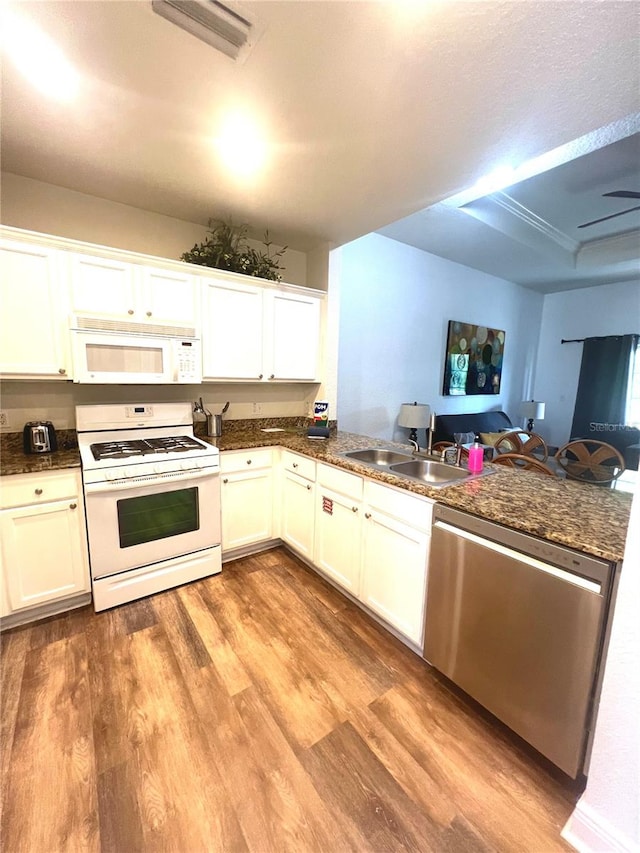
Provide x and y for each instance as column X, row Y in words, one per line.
column 590, row 461
column 523, row 462
column 526, row 443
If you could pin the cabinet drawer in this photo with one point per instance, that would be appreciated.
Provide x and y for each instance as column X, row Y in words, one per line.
column 342, row 482
column 241, row 460
column 24, row 489
column 301, row 465
column 411, row 509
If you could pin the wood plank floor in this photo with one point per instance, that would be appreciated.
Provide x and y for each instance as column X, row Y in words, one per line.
column 256, row 710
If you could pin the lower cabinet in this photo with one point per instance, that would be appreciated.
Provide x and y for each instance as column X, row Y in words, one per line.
column 373, row 541
column 44, row 552
column 297, row 503
column 395, row 555
column 338, row 534
column 246, row 497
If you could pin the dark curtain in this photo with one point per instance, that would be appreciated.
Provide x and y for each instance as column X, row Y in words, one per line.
column 602, row 390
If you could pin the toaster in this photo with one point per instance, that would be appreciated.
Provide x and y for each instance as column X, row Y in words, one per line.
column 39, row 437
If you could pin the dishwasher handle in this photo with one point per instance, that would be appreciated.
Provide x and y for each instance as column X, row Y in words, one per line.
column 562, row 574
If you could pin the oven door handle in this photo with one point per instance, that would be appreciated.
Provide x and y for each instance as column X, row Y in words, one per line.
column 111, row 486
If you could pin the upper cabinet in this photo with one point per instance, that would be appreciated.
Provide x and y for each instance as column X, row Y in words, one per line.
column 255, row 333
column 34, row 315
column 232, row 331
column 251, row 330
column 292, row 336
column 119, row 290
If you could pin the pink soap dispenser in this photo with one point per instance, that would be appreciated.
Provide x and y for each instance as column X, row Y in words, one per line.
column 476, row 454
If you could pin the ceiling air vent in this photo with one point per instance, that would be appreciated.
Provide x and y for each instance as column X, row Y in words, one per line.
column 214, row 23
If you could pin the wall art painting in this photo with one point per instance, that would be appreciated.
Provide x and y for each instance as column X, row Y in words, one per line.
column 473, row 359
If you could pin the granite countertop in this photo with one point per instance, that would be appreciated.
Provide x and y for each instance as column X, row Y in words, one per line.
column 588, row 518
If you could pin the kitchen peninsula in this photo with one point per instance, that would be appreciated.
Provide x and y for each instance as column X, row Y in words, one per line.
column 587, row 518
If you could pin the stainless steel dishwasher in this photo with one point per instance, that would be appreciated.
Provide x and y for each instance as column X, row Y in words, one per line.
column 518, row 623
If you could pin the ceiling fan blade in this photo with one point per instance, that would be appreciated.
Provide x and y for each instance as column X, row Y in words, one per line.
column 622, row 194
column 612, row 216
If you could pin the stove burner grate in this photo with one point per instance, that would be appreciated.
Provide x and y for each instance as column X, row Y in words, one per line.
column 144, row 446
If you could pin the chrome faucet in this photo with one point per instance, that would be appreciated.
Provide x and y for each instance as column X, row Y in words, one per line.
column 415, row 444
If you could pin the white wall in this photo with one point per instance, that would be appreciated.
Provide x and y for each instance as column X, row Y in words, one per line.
column 612, row 309
column 395, row 305
column 607, row 817
column 37, row 206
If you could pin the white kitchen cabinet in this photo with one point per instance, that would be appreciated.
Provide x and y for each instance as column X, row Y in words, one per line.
column 34, row 313
column 256, row 334
column 232, row 331
column 297, row 503
column 396, row 535
column 114, row 290
column 338, row 526
column 246, row 497
column 292, row 336
column 44, row 549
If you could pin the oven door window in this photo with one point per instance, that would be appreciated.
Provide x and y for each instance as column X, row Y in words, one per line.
column 158, row 516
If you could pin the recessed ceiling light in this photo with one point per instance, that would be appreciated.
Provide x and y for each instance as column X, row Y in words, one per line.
column 38, row 57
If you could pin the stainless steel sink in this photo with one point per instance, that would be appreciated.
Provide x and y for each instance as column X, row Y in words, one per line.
column 378, row 456
column 432, row 473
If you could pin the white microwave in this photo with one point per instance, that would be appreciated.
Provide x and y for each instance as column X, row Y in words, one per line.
column 154, row 355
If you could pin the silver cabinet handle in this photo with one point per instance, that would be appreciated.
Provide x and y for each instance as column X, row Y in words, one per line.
column 72, row 506
column 273, row 376
column 248, row 462
column 38, row 491
column 130, row 311
column 226, row 480
column 260, row 375
column 148, row 313
column 295, row 464
column 61, row 371
column 367, row 515
column 308, row 488
column 354, row 509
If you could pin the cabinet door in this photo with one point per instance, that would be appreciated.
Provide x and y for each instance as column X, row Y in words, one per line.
column 338, row 538
column 34, row 315
column 44, row 553
column 292, row 336
column 297, row 513
column 232, row 341
column 394, row 571
column 168, row 297
column 103, row 288
column 247, row 508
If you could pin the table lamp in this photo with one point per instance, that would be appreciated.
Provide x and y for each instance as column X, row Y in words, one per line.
column 415, row 416
column 532, row 410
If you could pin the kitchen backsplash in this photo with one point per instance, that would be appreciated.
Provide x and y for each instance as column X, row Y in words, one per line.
column 56, row 401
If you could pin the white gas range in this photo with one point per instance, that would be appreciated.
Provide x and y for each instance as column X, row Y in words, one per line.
column 152, row 496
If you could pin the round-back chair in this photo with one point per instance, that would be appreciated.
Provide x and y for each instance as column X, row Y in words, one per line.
column 527, row 443
column 523, row 462
column 590, row 461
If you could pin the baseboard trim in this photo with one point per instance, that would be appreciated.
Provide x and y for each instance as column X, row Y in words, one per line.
column 249, row 550
column 589, row 832
column 44, row 611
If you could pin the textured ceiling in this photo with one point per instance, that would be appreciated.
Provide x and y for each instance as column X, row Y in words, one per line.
column 373, row 110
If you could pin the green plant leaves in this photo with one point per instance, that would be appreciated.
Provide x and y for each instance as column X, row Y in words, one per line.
column 227, row 248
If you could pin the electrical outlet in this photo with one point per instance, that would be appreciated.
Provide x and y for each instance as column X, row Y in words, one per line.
column 256, row 408
column 4, row 419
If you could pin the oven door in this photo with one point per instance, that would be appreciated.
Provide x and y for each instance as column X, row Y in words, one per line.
column 142, row 521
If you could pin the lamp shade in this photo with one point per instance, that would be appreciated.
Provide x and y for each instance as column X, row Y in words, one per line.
column 414, row 415
column 532, row 409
